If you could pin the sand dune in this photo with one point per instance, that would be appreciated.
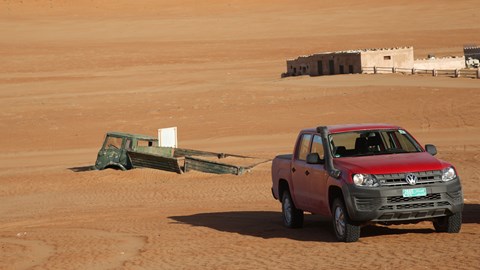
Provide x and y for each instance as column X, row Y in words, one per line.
column 72, row 70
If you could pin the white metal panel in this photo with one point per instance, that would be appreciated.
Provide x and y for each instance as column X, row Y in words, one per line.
column 167, row 137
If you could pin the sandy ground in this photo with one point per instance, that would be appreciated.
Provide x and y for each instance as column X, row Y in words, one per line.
column 72, row 70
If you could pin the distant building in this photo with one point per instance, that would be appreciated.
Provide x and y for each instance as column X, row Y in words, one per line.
column 345, row 62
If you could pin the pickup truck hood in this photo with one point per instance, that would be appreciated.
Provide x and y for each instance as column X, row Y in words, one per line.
column 392, row 163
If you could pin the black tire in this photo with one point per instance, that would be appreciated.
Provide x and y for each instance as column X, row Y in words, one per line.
column 448, row 224
column 292, row 217
column 344, row 229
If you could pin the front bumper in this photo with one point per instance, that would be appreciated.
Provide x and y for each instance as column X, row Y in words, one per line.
column 387, row 204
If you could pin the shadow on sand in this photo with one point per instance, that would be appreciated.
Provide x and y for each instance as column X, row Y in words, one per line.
column 471, row 213
column 264, row 224
column 82, row 169
column 268, row 224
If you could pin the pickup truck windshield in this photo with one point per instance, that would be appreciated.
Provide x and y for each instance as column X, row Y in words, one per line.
column 372, row 142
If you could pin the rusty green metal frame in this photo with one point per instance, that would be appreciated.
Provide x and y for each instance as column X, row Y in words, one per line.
column 171, row 159
column 177, row 160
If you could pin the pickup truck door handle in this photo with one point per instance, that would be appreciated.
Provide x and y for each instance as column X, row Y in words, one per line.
column 293, row 169
column 307, row 172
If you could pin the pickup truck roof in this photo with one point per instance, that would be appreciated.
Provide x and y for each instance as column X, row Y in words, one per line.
column 354, row 127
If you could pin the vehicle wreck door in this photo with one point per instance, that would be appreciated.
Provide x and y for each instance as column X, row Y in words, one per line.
column 299, row 172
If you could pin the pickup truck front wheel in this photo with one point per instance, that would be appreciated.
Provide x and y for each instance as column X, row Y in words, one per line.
column 345, row 230
column 292, row 217
column 449, row 224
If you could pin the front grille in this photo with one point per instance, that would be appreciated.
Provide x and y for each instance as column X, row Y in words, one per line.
column 413, row 214
column 401, row 199
column 443, row 204
column 414, row 205
column 405, row 203
column 398, row 179
column 386, row 207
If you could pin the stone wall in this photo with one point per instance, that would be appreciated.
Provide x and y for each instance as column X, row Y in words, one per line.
column 440, row 63
column 388, row 58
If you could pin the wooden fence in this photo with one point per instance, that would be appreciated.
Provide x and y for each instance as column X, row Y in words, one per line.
column 469, row 73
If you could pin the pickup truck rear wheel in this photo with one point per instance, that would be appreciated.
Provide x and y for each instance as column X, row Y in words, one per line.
column 449, row 224
column 292, row 217
column 345, row 230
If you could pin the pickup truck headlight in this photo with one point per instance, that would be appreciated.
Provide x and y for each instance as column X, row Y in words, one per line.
column 448, row 174
column 365, row 180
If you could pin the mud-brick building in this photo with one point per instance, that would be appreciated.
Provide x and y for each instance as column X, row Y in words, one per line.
column 344, row 62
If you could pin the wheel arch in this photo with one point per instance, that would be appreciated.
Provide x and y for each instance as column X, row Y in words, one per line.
column 282, row 186
column 333, row 193
column 115, row 166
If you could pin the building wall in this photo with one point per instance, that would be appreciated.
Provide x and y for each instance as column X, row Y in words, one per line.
column 388, row 58
column 299, row 66
column 440, row 63
column 325, row 64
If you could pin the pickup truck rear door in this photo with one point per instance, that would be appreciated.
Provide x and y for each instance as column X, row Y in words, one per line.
column 300, row 184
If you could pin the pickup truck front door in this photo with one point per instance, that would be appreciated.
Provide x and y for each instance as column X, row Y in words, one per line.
column 316, row 179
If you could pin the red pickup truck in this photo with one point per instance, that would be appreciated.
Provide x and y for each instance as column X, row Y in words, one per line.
column 359, row 174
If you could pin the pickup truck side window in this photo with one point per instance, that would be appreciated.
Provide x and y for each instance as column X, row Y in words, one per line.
column 304, row 147
column 317, row 146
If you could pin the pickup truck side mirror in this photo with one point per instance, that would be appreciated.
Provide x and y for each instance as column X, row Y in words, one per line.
column 431, row 149
column 314, row 158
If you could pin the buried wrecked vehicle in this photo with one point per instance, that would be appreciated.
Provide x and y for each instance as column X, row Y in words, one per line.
column 358, row 174
column 126, row 151
column 113, row 153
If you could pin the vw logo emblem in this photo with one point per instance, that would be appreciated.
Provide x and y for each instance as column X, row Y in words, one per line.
column 411, row 179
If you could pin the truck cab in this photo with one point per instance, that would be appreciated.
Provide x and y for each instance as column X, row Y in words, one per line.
column 113, row 152
column 359, row 174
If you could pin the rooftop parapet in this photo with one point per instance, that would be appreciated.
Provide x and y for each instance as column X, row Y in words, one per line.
column 356, row 51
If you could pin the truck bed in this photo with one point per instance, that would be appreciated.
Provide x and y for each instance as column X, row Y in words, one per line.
column 280, row 170
column 285, row 156
column 182, row 160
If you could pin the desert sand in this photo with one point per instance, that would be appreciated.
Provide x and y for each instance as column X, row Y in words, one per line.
column 72, row 70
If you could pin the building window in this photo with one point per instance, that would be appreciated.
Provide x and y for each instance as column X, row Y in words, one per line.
column 387, row 57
